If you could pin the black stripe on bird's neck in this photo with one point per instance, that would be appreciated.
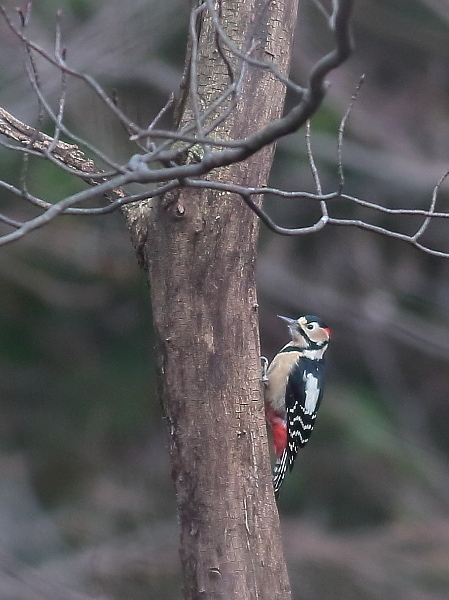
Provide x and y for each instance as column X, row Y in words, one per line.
column 311, row 346
column 291, row 349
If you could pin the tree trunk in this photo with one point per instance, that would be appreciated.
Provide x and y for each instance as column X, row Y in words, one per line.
column 202, row 273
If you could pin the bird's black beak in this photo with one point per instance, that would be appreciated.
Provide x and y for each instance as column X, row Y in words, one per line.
column 289, row 321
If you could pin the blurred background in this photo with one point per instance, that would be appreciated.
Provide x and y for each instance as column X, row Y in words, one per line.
column 87, row 508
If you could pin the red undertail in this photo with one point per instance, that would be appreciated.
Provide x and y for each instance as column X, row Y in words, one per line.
column 278, row 430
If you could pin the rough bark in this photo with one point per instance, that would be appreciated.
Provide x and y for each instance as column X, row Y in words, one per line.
column 202, row 273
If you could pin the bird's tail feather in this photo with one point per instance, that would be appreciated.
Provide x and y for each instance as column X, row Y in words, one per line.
column 280, row 469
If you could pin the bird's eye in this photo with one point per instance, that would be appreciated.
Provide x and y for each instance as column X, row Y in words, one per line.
column 310, row 326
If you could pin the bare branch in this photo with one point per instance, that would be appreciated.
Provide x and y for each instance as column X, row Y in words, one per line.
column 162, row 164
column 388, row 233
column 61, row 207
column 38, row 143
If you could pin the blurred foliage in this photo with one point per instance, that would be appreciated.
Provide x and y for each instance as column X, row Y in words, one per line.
column 86, row 495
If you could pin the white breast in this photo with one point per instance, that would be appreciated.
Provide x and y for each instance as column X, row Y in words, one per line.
column 277, row 374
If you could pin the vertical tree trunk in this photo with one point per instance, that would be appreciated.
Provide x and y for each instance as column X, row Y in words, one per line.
column 202, row 274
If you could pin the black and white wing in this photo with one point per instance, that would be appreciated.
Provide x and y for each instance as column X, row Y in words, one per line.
column 302, row 399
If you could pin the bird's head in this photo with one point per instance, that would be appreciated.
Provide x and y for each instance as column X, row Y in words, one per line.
column 308, row 332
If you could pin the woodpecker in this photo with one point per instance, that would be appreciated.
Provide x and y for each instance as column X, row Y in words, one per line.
column 294, row 389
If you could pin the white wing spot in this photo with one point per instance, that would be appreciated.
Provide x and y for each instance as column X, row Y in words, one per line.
column 312, row 392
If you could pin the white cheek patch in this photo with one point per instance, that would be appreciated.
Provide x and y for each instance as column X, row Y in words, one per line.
column 312, row 392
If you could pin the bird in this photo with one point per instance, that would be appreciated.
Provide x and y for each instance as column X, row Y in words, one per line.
column 294, row 389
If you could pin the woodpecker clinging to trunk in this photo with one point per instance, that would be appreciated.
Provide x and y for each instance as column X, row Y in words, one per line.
column 293, row 392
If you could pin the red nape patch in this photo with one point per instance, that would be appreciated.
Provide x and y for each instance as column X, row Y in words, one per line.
column 278, row 430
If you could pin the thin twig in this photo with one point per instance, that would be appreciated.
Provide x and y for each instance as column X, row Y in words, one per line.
column 167, row 106
column 341, row 132
column 313, row 168
column 60, row 62
column 433, row 202
column 246, row 56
